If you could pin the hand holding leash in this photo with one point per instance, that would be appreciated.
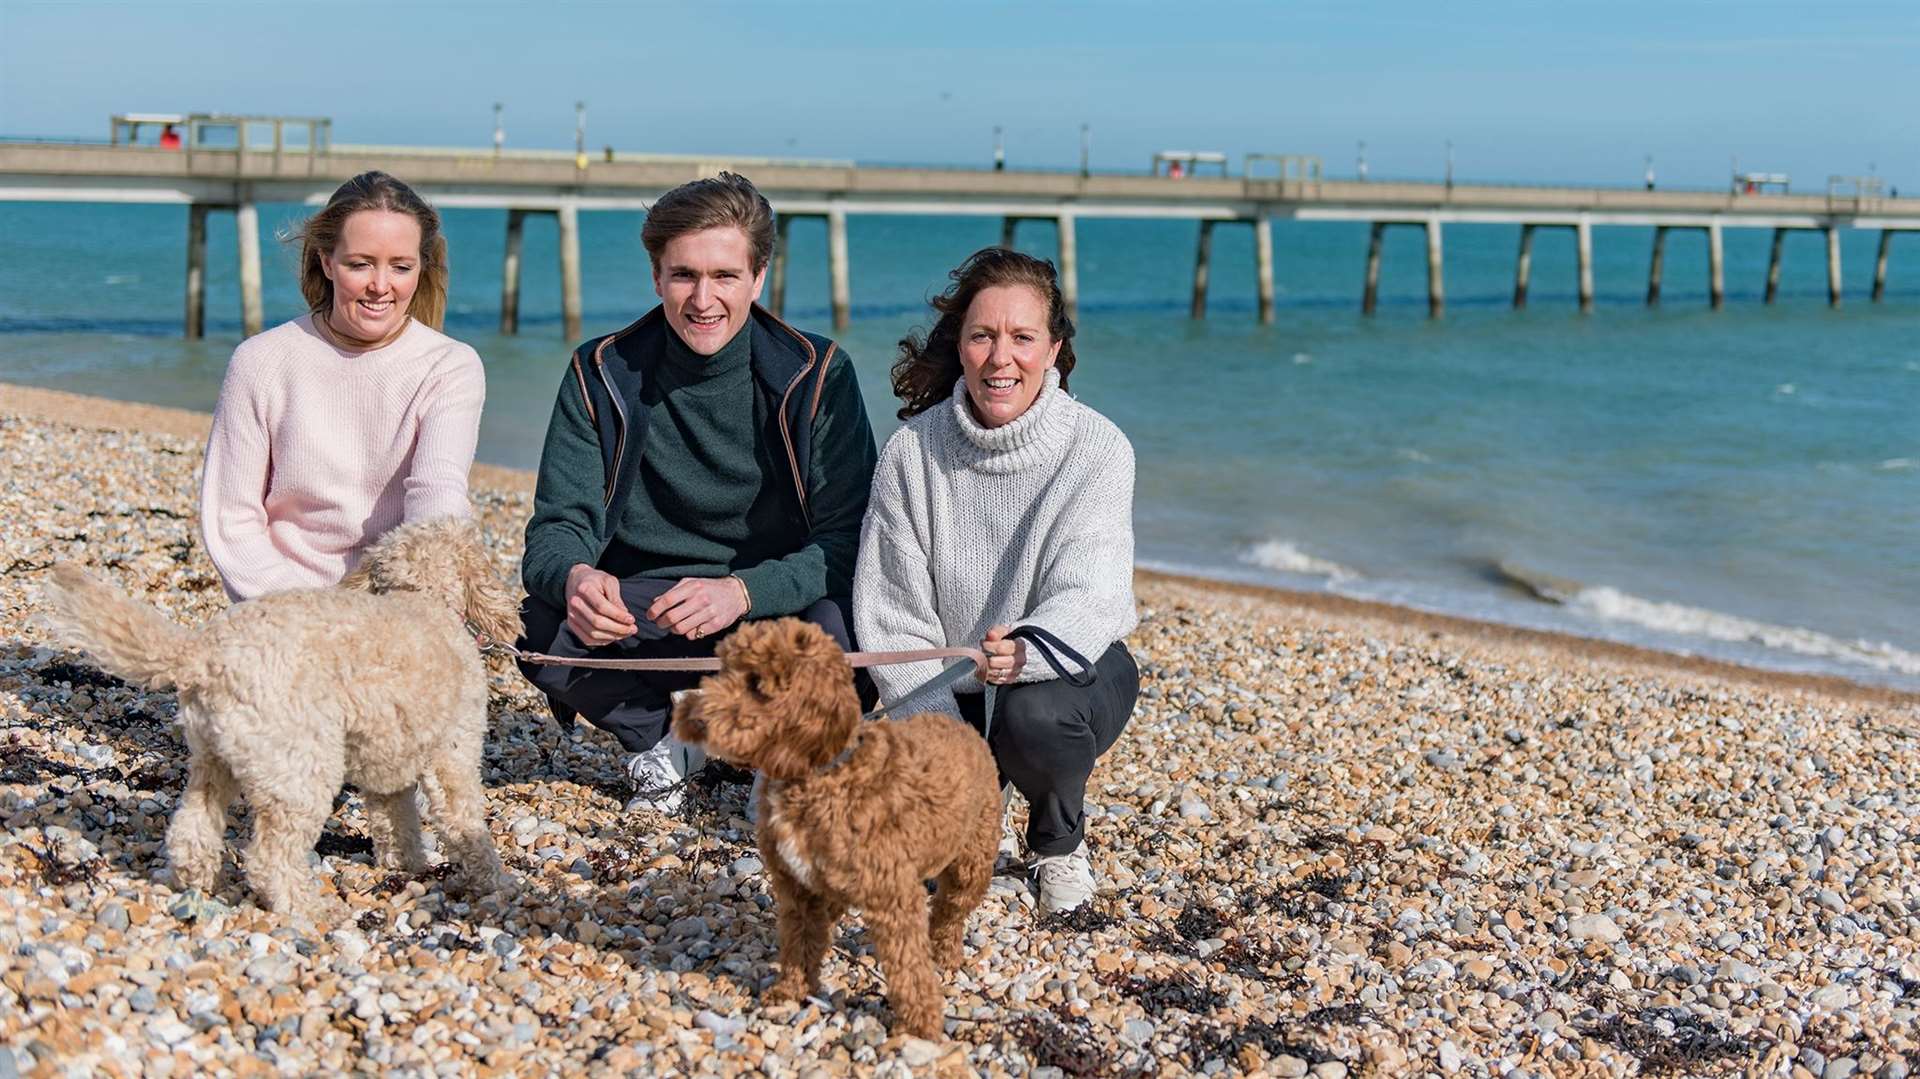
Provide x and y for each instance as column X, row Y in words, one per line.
column 1005, row 658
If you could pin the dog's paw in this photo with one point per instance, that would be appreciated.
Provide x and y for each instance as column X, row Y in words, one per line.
column 949, row 956
column 784, row 992
column 502, row 886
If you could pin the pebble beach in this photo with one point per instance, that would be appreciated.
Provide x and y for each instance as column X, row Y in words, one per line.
column 1336, row 840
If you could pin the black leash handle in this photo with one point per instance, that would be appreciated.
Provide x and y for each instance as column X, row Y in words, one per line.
column 1051, row 648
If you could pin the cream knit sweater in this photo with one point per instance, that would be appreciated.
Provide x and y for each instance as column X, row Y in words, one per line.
column 1030, row 523
column 316, row 452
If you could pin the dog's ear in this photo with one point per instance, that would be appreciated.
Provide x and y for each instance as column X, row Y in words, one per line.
column 802, row 687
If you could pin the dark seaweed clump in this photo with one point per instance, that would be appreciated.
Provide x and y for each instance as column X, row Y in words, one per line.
column 1694, row 1045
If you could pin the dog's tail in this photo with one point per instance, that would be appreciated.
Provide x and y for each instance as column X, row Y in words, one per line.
column 129, row 640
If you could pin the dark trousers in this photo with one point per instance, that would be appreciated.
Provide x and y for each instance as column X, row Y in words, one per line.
column 1046, row 737
column 633, row 706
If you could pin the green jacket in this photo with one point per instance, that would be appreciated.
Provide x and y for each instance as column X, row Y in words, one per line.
column 599, row 422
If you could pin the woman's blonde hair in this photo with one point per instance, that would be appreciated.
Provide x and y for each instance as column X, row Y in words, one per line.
column 320, row 234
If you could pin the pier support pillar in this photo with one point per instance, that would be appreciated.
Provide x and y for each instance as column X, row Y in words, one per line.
column 1716, row 268
column 1008, row 226
column 777, row 286
column 837, row 267
column 1370, row 298
column 1523, row 267
column 1202, row 263
column 1880, row 266
column 1583, row 245
column 197, row 269
column 569, row 219
column 510, row 274
column 1263, row 265
column 1069, row 266
column 1833, row 266
column 1436, row 288
column 1657, row 265
column 246, row 219
column 1773, row 264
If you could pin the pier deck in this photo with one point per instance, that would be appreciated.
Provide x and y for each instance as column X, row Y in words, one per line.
column 566, row 185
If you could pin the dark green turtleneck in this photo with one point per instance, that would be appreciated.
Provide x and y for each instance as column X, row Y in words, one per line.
column 707, row 500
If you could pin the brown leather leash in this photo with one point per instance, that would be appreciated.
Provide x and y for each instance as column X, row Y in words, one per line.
column 712, row 663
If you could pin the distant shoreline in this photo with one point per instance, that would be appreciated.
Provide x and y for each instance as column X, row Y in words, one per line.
column 105, row 413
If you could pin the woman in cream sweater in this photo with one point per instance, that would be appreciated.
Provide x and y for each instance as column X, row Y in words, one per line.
column 1004, row 502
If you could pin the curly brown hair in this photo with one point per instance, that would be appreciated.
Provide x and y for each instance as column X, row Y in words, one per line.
column 928, row 367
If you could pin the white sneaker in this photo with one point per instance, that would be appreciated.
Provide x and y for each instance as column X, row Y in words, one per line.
column 659, row 775
column 1066, row 880
column 1009, row 843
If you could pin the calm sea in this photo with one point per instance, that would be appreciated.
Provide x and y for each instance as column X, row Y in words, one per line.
column 1742, row 484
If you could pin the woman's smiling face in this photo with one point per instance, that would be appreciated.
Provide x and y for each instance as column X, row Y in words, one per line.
column 374, row 269
column 1005, row 351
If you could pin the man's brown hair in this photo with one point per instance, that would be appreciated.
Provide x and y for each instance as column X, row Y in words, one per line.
column 716, row 202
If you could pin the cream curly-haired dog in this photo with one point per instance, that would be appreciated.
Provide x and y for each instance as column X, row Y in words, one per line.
column 855, row 814
column 289, row 696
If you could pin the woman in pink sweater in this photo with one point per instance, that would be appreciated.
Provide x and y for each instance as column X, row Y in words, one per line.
column 351, row 419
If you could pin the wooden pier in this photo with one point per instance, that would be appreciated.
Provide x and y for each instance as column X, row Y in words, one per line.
column 566, row 185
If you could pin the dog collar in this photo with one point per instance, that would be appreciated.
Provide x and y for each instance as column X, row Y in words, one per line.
column 844, row 756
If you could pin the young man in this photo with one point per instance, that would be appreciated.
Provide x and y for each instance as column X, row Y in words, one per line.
column 706, row 464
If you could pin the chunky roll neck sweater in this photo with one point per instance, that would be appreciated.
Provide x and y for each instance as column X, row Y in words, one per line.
column 969, row 527
column 317, row 451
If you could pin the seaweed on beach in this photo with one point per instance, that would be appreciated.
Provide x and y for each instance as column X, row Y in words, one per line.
column 1155, row 995
column 333, row 843
column 1348, row 1014
column 1694, row 1045
column 59, row 874
column 1059, row 1039
column 1197, row 921
column 25, row 565
column 369, row 921
column 78, row 676
column 1081, row 919
column 1247, row 959
column 1208, row 1041
column 31, row 767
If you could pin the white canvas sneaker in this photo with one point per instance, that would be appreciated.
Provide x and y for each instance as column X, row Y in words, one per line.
column 1066, row 880
column 658, row 775
column 1009, row 843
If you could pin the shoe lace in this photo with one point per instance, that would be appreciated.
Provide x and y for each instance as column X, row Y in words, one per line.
column 1059, row 869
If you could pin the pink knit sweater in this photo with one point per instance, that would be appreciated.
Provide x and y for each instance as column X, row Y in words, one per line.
column 316, row 452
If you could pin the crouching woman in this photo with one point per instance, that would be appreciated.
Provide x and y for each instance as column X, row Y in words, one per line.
column 1003, row 502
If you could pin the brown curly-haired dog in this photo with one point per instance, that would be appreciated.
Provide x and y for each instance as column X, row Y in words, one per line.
column 854, row 814
column 289, row 696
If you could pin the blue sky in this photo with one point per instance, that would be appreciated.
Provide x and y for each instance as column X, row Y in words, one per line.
column 1564, row 91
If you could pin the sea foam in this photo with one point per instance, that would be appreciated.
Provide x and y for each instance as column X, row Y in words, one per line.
column 1618, row 606
column 1284, row 557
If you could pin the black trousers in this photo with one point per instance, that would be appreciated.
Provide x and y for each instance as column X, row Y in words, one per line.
column 1046, row 737
column 634, row 706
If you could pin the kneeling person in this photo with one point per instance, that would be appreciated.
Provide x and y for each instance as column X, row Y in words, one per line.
column 706, row 464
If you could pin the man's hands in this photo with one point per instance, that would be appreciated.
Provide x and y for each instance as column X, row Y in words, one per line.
column 595, row 612
column 694, row 608
column 700, row 606
column 1005, row 659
